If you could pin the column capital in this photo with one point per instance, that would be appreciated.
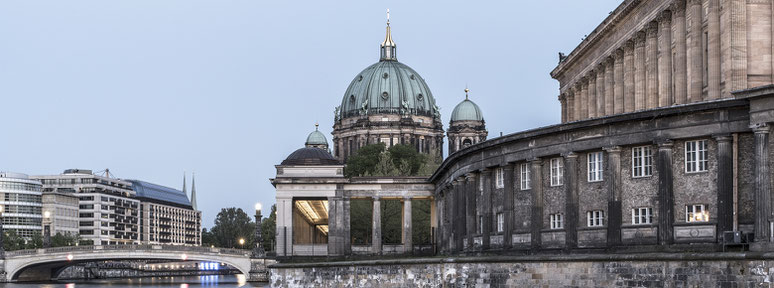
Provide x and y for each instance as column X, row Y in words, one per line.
column 376, row 198
column 760, row 128
column 651, row 29
column 677, row 6
column 639, row 39
column 535, row 161
column 665, row 17
column 470, row 177
column 601, row 67
column 612, row 149
column 722, row 137
column 618, row 54
column 407, row 198
column 694, row 2
column 570, row 155
column 665, row 144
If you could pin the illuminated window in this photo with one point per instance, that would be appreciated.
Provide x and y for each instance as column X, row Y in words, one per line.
column 696, row 213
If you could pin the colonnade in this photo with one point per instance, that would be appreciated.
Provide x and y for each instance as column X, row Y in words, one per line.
column 663, row 64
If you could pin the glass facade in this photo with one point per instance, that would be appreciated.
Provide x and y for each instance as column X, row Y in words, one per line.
column 21, row 204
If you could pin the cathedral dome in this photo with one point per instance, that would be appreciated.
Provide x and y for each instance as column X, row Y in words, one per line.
column 316, row 138
column 467, row 111
column 388, row 87
column 310, row 157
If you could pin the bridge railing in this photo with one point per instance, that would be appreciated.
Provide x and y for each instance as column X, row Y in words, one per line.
column 144, row 247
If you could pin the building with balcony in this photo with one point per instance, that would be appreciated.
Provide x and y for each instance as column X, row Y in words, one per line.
column 166, row 215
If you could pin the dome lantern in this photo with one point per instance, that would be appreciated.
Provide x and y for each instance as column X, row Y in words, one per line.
column 388, row 46
column 316, row 139
column 467, row 125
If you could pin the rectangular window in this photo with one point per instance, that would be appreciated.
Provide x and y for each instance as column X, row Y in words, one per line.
column 526, row 183
column 557, row 171
column 557, row 221
column 642, row 162
column 696, row 156
column 480, row 224
column 500, row 222
column 595, row 166
column 499, row 178
column 595, row 218
column 642, row 215
column 696, row 213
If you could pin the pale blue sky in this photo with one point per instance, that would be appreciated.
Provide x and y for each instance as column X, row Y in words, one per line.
column 227, row 89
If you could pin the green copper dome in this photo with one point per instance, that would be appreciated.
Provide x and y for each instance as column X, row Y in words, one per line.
column 316, row 138
column 387, row 87
column 467, row 111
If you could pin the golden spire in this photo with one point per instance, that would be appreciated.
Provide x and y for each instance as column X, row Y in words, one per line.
column 316, row 125
column 466, row 92
column 388, row 46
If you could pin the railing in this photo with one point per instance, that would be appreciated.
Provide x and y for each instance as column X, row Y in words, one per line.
column 172, row 248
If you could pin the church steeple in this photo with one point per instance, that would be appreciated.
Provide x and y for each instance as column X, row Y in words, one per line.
column 388, row 46
column 184, row 191
column 193, row 192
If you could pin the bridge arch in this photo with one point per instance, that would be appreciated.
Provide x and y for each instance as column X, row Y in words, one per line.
column 41, row 264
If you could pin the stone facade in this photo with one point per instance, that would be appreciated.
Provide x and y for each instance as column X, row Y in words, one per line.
column 645, row 270
column 667, row 52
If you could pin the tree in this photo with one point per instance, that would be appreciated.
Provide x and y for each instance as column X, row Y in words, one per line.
column 231, row 225
column 208, row 239
column 364, row 161
column 269, row 228
column 12, row 241
column 407, row 159
column 399, row 160
column 66, row 239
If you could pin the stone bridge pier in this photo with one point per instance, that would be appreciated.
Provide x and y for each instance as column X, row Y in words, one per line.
column 46, row 264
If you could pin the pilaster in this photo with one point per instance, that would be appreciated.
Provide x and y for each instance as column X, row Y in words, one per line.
column 618, row 82
column 600, row 90
column 639, row 71
column 725, row 183
column 486, row 206
column 609, row 90
column 376, row 227
column 536, row 221
column 665, row 59
column 571, row 200
column 470, row 195
column 615, row 214
column 666, row 205
column 762, row 183
column 628, row 81
column 508, row 205
column 592, row 94
column 713, row 50
column 651, row 66
column 408, row 243
column 695, row 60
column 681, row 49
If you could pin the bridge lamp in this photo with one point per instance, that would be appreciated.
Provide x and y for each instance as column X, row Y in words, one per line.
column 184, row 256
column 69, row 257
column 258, row 207
column 241, row 241
column 47, row 214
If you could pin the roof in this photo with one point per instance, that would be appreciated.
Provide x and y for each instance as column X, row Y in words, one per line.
column 388, row 87
column 160, row 193
column 467, row 110
column 316, row 138
column 310, row 157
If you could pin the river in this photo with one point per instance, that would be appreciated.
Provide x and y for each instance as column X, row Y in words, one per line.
column 165, row 282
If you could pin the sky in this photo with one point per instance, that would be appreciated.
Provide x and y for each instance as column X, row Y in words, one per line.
column 227, row 89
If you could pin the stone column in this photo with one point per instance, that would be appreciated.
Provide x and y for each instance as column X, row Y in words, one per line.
column 666, row 216
column 614, row 210
column 376, row 227
column 639, row 71
column 725, row 184
column 562, row 102
column 536, row 221
column 618, row 82
column 508, row 205
column 346, row 231
column 577, row 99
column 665, row 60
column 628, row 80
column 487, row 208
column 459, row 214
column 713, row 50
column 651, row 66
column 570, row 105
column 584, row 100
column 335, row 224
column 762, row 183
column 592, row 94
column 571, row 200
column 408, row 241
column 600, row 95
column 609, row 97
column 681, row 58
column 471, row 192
column 696, row 69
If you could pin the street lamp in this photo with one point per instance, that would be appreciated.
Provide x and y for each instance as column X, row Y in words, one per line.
column 258, row 250
column 46, row 229
column 241, row 242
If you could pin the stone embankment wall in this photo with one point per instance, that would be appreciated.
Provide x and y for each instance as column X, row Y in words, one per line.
column 644, row 270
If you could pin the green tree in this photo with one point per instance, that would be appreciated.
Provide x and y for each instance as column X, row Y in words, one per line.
column 269, row 229
column 12, row 241
column 208, row 239
column 231, row 225
column 407, row 159
column 364, row 161
column 66, row 239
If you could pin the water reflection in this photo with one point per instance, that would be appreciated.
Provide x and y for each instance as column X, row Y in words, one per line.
column 238, row 280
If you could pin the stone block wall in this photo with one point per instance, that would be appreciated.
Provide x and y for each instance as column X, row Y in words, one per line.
column 649, row 270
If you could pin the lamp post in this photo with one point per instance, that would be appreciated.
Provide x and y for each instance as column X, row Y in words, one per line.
column 258, row 250
column 241, row 242
column 46, row 229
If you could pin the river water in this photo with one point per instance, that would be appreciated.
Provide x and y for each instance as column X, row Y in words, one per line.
column 161, row 282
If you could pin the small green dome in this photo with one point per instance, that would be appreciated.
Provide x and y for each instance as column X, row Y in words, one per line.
column 467, row 111
column 316, row 138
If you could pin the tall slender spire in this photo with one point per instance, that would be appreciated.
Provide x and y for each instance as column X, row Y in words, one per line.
column 388, row 46
column 184, row 191
column 193, row 192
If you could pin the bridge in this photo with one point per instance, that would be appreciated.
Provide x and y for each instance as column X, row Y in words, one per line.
column 46, row 264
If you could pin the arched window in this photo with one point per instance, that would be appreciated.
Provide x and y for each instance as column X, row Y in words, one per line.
column 466, row 143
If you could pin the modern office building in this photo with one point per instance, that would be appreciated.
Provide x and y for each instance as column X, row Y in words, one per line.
column 108, row 212
column 21, row 204
column 62, row 208
column 166, row 215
